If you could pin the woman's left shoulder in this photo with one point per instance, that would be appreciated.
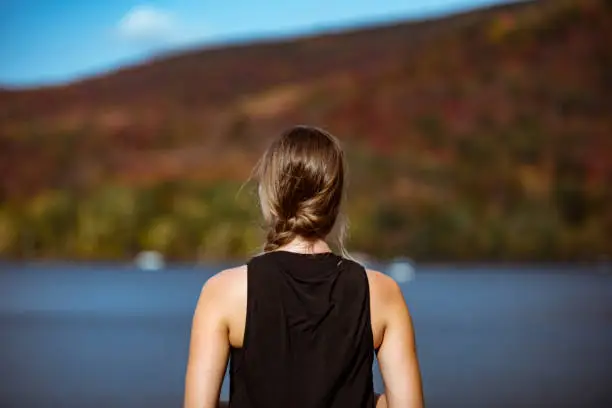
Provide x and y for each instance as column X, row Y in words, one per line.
column 227, row 282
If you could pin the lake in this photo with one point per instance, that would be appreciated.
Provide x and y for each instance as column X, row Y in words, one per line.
column 488, row 336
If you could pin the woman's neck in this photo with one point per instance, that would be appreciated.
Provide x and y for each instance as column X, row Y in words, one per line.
column 302, row 246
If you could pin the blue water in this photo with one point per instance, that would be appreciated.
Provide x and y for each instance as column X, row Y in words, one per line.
column 110, row 336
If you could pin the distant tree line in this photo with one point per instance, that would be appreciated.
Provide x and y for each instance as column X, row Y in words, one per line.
column 482, row 210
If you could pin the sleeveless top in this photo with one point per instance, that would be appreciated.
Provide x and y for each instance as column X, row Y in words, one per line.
column 308, row 339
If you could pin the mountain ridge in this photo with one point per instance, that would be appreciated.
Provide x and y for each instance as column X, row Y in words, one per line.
column 359, row 28
column 498, row 116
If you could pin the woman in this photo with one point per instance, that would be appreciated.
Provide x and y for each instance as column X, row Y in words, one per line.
column 298, row 323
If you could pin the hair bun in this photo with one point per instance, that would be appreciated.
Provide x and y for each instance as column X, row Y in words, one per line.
column 303, row 223
column 301, row 179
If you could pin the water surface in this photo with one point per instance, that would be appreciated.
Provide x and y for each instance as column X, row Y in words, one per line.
column 110, row 336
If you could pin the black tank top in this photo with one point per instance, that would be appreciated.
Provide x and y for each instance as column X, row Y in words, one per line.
column 308, row 338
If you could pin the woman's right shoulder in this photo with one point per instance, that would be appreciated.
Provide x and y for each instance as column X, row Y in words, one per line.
column 384, row 290
column 387, row 305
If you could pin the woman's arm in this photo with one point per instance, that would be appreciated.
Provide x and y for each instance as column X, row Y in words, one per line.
column 209, row 347
column 397, row 355
column 381, row 401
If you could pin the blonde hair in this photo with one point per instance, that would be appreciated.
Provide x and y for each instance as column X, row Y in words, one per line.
column 301, row 179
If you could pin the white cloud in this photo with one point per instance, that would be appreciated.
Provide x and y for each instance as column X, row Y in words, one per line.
column 146, row 23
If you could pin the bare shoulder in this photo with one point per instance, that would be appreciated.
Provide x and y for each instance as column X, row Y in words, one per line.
column 386, row 304
column 225, row 288
column 227, row 277
column 394, row 342
column 383, row 288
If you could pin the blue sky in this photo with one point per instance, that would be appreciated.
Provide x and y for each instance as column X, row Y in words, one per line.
column 54, row 41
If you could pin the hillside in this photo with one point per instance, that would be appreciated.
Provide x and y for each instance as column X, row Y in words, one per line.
column 485, row 135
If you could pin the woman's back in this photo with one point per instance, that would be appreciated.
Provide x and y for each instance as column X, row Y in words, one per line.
column 224, row 323
column 307, row 340
column 299, row 323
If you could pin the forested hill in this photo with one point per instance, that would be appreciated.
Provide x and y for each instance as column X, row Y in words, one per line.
column 485, row 135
